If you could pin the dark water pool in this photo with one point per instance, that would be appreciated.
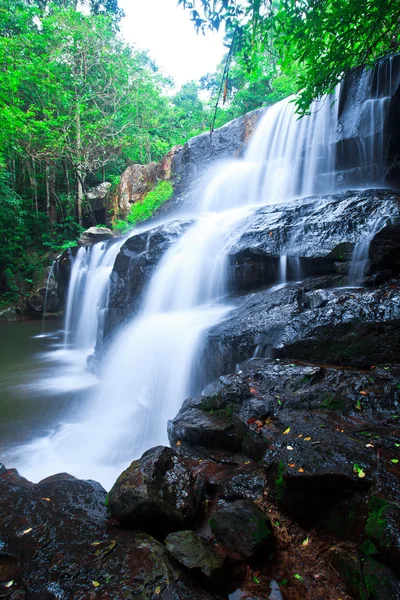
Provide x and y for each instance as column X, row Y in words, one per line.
column 40, row 382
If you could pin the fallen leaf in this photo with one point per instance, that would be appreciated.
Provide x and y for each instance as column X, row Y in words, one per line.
column 9, row 583
column 306, row 542
column 95, row 584
column 301, row 470
column 259, row 423
column 307, row 439
column 47, row 499
column 300, row 436
column 364, row 393
column 27, row 531
column 369, row 446
column 246, row 462
column 96, row 543
column 291, row 465
column 157, row 591
column 286, row 431
column 297, row 576
column 394, row 461
column 289, row 447
column 178, row 443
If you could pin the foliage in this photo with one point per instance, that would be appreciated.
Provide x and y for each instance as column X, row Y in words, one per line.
column 190, row 115
column 141, row 211
column 78, row 105
column 247, row 90
column 328, row 39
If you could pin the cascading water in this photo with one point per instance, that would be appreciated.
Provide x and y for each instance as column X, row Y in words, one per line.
column 150, row 368
column 87, row 289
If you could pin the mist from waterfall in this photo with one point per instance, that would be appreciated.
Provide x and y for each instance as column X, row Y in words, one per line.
column 150, row 367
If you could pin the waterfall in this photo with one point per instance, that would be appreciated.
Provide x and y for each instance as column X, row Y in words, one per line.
column 87, row 290
column 359, row 259
column 151, row 366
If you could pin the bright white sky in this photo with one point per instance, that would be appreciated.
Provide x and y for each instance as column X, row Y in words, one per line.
column 166, row 30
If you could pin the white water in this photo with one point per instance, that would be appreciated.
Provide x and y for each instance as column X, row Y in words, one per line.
column 359, row 260
column 151, row 366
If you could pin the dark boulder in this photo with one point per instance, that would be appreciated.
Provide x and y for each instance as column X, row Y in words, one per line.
column 133, row 267
column 47, row 299
column 309, row 321
column 52, row 548
column 193, row 552
column 317, row 235
column 242, row 528
column 157, row 493
column 323, row 434
column 94, row 235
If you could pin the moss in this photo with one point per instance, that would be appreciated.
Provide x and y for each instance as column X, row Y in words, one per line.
column 221, row 413
column 212, row 523
column 377, row 522
column 368, row 548
column 279, row 483
column 141, row 211
column 262, row 531
column 331, row 403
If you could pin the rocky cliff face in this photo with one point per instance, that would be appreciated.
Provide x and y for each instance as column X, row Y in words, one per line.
column 317, row 235
column 183, row 166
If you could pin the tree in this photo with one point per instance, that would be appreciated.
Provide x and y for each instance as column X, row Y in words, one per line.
column 189, row 116
column 327, row 39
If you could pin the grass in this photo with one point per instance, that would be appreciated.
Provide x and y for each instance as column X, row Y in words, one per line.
column 141, row 211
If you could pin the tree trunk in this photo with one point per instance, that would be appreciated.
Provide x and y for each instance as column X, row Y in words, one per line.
column 78, row 157
column 33, row 183
column 52, row 189
column 47, row 174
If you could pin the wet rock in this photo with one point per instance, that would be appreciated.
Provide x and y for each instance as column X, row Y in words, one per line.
column 312, row 244
column 242, row 528
column 47, row 298
column 71, row 496
column 133, row 268
column 379, row 581
column 8, row 314
column 383, row 528
column 159, row 492
column 93, row 235
column 233, row 477
column 306, row 423
column 358, row 327
column 193, row 552
column 52, row 548
column 97, row 201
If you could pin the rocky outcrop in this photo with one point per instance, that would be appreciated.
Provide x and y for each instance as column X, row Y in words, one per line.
column 96, row 198
column 158, row 492
column 133, row 267
column 327, row 438
column 138, row 180
column 94, row 235
column 310, row 487
column 56, row 543
column 317, row 235
column 183, row 166
column 314, row 320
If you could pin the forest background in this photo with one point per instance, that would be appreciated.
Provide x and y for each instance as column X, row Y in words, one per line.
column 78, row 104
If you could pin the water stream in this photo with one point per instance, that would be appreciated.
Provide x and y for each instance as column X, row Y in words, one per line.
column 152, row 364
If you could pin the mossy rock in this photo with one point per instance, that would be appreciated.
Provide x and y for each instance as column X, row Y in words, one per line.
column 242, row 528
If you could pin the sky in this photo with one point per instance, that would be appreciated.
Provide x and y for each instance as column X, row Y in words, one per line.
column 166, row 30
